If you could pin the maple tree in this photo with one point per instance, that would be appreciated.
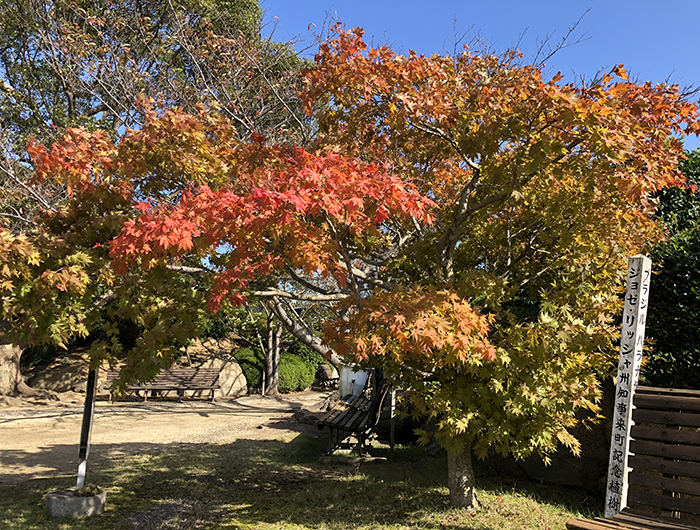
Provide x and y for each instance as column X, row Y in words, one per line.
column 469, row 219
column 541, row 190
column 41, row 295
column 69, row 64
column 185, row 175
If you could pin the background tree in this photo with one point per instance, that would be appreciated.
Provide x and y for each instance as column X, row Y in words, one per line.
column 674, row 300
column 64, row 64
column 67, row 64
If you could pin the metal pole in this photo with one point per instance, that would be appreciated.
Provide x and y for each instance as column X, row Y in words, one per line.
column 393, row 419
column 631, row 344
column 86, row 430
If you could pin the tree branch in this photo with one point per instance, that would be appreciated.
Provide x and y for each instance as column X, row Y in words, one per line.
column 272, row 293
column 301, row 334
column 189, row 270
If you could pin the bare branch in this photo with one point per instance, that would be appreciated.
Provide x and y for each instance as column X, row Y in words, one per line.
column 367, row 278
column 306, row 283
column 189, row 270
column 5, row 87
column 563, row 43
column 271, row 293
column 18, row 218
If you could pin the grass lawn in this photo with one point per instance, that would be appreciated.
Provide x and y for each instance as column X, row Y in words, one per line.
column 252, row 484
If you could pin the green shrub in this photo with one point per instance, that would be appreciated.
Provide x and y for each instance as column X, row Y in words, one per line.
column 295, row 373
column 252, row 364
column 308, row 354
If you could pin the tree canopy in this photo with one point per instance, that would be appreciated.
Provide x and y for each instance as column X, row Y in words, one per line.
column 468, row 218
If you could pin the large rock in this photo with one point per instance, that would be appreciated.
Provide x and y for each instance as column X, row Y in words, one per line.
column 65, row 373
column 231, row 378
column 206, row 348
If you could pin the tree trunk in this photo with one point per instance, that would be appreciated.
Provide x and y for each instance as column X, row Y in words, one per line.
column 461, row 481
column 272, row 356
column 11, row 382
column 301, row 334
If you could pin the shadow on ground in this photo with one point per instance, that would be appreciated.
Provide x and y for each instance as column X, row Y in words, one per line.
column 259, row 482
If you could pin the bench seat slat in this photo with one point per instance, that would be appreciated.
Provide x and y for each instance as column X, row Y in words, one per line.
column 351, row 420
column 592, row 524
column 656, row 521
column 345, row 419
column 332, row 417
column 625, row 521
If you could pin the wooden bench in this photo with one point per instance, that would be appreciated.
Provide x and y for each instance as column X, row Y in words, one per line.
column 356, row 416
column 174, row 379
column 663, row 490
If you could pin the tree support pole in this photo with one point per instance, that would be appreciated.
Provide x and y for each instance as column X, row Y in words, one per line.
column 392, row 429
column 86, row 430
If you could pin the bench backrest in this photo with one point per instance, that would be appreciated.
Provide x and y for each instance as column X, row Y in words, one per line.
column 665, row 451
column 176, row 376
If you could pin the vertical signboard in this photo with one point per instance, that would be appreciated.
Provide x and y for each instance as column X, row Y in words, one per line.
column 631, row 344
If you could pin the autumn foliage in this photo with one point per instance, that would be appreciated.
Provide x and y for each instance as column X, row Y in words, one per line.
column 420, row 328
column 470, row 218
column 288, row 207
column 541, row 190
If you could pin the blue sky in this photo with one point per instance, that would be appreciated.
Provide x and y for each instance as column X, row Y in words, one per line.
column 656, row 40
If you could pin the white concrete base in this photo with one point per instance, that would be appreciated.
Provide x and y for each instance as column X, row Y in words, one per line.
column 66, row 504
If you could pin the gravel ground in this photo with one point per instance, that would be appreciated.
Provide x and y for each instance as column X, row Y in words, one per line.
column 41, row 439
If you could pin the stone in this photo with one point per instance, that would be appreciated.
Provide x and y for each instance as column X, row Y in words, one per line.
column 306, row 416
column 67, row 504
column 63, row 374
column 199, row 348
column 231, row 378
column 81, row 386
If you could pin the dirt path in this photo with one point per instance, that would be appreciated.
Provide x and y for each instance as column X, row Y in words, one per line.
column 42, row 442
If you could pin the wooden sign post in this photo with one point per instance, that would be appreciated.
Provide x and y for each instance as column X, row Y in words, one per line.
column 631, row 343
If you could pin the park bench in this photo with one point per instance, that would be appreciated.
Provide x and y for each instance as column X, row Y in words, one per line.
column 177, row 380
column 354, row 416
column 663, row 481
